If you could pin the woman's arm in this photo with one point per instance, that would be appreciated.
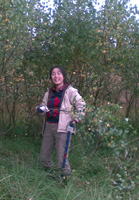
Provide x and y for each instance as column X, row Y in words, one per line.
column 79, row 106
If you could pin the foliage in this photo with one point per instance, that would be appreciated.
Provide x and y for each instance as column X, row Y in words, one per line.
column 99, row 48
column 105, row 126
column 20, row 23
column 105, row 129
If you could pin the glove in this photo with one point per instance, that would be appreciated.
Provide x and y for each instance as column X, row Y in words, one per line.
column 71, row 128
column 42, row 109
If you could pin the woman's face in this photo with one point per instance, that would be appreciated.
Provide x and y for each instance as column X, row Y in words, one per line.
column 57, row 77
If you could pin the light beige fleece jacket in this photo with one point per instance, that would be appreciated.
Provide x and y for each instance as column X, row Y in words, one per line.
column 72, row 108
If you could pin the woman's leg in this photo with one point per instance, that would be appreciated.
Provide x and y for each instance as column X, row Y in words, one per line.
column 47, row 146
column 61, row 139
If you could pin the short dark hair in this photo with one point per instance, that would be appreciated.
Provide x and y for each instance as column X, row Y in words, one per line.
column 63, row 71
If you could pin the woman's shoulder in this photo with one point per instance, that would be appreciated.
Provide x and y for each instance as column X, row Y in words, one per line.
column 71, row 89
column 47, row 91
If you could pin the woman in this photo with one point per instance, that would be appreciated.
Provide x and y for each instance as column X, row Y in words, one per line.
column 64, row 104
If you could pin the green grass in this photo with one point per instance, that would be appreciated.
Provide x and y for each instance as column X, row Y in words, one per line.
column 22, row 177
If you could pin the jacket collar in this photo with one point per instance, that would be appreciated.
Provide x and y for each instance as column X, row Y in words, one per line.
column 60, row 89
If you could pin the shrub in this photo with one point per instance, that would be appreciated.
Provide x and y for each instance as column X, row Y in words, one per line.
column 104, row 127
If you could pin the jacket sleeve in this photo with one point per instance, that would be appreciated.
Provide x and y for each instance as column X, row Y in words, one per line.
column 44, row 102
column 78, row 105
column 45, row 99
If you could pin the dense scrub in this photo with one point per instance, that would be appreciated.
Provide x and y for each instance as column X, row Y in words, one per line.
column 96, row 174
column 99, row 49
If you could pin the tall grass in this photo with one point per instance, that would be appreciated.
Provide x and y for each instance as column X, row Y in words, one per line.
column 22, row 177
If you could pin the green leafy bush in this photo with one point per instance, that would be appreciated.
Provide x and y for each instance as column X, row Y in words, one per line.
column 104, row 127
column 105, row 132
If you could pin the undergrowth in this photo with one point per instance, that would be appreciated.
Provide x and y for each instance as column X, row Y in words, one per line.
column 95, row 175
